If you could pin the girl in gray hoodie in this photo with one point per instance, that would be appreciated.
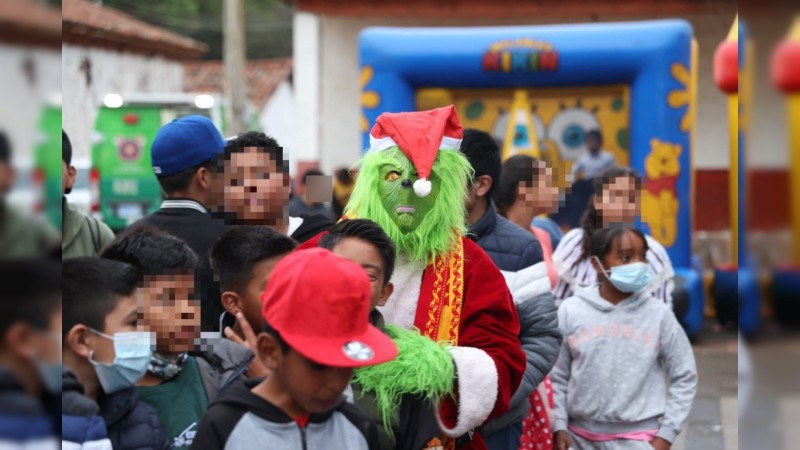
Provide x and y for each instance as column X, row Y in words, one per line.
column 609, row 384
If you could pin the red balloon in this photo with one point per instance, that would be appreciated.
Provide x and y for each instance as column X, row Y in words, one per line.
column 786, row 66
column 726, row 67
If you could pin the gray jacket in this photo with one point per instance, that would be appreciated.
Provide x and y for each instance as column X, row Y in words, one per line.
column 241, row 419
column 539, row 334
column 223, row 364
column 610, row 373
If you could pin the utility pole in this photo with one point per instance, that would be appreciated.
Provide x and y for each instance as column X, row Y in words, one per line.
column 234, row 55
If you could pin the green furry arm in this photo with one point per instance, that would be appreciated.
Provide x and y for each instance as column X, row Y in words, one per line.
column 423, row 368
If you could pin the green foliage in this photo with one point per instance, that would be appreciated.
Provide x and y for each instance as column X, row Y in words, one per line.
column 268, row 23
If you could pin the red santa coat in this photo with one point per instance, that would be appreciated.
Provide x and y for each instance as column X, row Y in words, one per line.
column 488, row 357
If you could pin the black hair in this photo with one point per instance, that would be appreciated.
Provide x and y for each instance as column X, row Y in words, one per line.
column 344, row 175
column 239, row 249
column 66, row 148
column 92, row 289
column 151, row 251
column 593, row 219
column 30, row 292
column 483, row 155
column 181, row 180
column 595, row 134
column 5, row 148
column 259, row 140
column 285, row 347
column 311, row 173
column 604, row 238
column 368, row 231
column 517, row 169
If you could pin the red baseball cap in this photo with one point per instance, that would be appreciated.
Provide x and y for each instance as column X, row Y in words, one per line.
column 319, row 303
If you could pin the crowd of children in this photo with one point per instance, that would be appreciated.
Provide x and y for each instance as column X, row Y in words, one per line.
column 442, row 311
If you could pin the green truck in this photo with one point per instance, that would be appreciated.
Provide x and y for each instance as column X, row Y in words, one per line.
column 122, row 182
column 45, row 177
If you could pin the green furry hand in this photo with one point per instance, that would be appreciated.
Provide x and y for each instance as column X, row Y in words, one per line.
column 423, row 368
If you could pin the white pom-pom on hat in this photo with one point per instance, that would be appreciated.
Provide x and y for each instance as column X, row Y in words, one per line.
column 422, row 187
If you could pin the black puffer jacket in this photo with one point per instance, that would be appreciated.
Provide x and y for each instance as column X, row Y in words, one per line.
column 511, row 247
column 131, row 424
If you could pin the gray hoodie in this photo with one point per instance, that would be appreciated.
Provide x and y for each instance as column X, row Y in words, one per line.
column 609, row 377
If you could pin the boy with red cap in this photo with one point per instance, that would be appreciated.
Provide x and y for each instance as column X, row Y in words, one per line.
column 412, row 184
column 316, row 308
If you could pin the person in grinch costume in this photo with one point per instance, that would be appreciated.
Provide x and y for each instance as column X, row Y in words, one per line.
column 411, row 183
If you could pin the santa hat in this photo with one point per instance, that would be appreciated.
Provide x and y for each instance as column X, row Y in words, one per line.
column 420, row 135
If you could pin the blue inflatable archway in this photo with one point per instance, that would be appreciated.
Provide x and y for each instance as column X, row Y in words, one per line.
column 654, row 59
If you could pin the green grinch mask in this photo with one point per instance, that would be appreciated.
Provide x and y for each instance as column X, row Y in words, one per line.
column 384, row 193
column 406, row 209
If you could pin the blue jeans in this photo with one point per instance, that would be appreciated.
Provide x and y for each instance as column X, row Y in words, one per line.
column 505, row 438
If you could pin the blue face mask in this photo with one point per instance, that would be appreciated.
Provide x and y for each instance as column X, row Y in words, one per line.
column 628, row 278
column 49, row 372
column 132, row 353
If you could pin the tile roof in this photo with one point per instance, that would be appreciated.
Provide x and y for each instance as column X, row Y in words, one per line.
column 88, row 24
column 262, row 77
column 27, row 22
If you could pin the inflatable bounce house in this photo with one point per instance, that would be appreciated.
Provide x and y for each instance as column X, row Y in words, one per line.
column 540, row 89
column 736, row 289
column 786, row 77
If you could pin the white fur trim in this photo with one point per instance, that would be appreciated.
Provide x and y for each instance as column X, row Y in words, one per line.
column 379, row 144
column 528, row 283
column 422, row 187
column 401, row 308
column 477, row 389
column 449, row 143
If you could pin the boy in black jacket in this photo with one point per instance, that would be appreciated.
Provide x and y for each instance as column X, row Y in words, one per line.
column 243, row 259
column 413, row 425
column 316, row 306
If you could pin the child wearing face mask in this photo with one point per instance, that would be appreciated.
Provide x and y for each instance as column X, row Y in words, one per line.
column 186, row 372
column 609, row 384
column 105, row 352
column 30, row 329
column 615, row 204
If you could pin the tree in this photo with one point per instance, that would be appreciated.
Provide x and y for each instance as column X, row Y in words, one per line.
column 268, row 29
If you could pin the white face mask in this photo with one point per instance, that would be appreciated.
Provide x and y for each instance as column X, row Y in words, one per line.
column 628, row 278
column 132, row 353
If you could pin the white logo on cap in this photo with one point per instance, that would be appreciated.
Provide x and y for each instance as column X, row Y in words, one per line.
column 157, row 170
column 358, row 351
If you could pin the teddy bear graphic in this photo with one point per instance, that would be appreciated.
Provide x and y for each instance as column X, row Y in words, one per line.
column 659, row 196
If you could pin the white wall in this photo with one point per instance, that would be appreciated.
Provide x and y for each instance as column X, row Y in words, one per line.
column 768, row 142
column 278, row 119
column 109, row 72
column 338, row 108
column 307, row 85
column 23, row 96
